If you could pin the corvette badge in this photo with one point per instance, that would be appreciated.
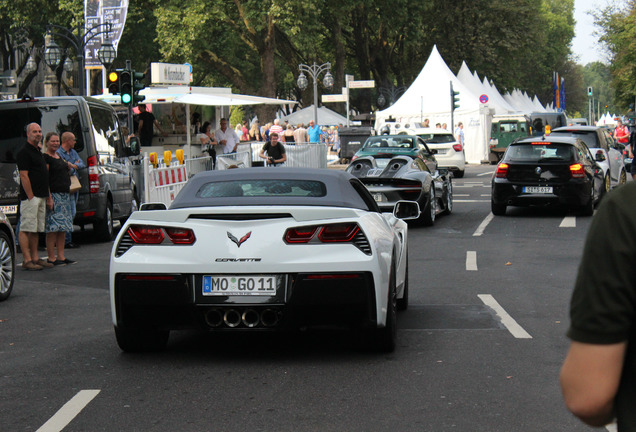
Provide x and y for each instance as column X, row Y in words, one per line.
column 237, row 241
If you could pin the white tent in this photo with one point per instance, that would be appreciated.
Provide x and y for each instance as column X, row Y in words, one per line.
column 495, row 100
column 326, row 117
column 429, row 98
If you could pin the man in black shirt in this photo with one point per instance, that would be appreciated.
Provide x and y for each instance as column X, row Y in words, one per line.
column 146, row 122
column 34, row 197
column 275, row 151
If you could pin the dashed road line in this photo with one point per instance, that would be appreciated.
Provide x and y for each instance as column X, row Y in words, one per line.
column 568, row 222
column 471, row 261
column 69, row 411
column 486, row 173
column 513, row 327
column 482, row 226
column 470, row 201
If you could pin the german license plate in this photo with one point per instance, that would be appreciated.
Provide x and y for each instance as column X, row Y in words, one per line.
column 9, row 209
column 378, row 197
column 538, row 189
column 239, row 285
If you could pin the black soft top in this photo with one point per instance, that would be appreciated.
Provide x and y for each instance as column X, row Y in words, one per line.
column 342, row 189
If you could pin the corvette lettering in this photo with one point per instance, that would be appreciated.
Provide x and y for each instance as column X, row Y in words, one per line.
column 238, row 260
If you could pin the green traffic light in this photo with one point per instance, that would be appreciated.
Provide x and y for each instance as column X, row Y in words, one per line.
column 126, row 98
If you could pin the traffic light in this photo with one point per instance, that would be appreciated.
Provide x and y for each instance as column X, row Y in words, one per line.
column 137, row 86
column 454, row 98
column 125, row 86
column 113, row 82
column 590, row 93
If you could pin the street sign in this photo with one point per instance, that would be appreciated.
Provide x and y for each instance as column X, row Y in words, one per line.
column 483, row 98
column 362, row 84
column 334, row 98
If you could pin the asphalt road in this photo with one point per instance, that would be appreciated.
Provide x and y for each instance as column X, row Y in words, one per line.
column 479, row 348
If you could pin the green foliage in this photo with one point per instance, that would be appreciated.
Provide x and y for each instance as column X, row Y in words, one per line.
column 237, row 115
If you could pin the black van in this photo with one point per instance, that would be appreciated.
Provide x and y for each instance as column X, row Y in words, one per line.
column 108, row 188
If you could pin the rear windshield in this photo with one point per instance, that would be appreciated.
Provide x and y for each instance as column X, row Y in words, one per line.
column 389, row 142
column 540, row 152
column 437, row 138
column 262, row 188
column 588, row 137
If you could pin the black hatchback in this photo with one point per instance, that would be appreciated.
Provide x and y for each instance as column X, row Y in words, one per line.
column 543, row 171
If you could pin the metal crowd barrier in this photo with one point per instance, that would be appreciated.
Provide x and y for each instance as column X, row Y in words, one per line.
column 306, row 155
column 241, row 159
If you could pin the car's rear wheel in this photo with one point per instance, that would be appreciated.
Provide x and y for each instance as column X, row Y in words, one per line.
column 459, row 174
column 623, row 178
column 430, row 211
column 498, row 209
column 386, row 336
column 448, row 202
column 607, row 185
column 104, row 227
column 141, row 340
column 403, row 303
column 588, row 208
column 7, row 266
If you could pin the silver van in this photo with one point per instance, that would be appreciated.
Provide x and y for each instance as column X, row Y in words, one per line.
column 108, row 189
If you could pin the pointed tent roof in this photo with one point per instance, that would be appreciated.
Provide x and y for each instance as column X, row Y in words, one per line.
column 326, row 117
column 430, row 93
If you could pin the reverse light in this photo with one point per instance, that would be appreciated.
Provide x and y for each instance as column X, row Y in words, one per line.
column 142, row 234
column 457, row 147
column 577, row 170
column 93, row 174
column 502, row 170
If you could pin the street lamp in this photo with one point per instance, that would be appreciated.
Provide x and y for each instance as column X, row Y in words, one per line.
column 314, row 71
column 392, row 93
column 53, row 53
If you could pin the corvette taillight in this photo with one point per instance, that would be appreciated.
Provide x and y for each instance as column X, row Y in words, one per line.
column 577, row 171
column 181, row 235
column 145, row 234
column 331, row 233
column 502, row 170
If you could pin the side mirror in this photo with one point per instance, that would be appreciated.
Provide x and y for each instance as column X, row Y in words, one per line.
column 153, row 206
column 600, row 156
column 406, row 210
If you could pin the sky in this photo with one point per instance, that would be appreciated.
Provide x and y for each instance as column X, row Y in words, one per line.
column 585, row 45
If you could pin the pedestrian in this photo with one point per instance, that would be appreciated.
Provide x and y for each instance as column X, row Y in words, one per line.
column 34, row 197
column 226, row 137
column 444, row 126
column 300, row 134
column 314, row 132
column 255, row 132
column 208, row 142
column 276, row 127
column 147, row 121
column 459, row 134
column 288, row 135
column 426, row 123
column 598, row 377
column 275, row 150
column 59, row 219
column 621, row 133
column 68, row 153
column 245, row 132
column 438, row 125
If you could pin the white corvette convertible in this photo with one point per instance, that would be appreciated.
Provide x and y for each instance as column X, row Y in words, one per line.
column 261, row 249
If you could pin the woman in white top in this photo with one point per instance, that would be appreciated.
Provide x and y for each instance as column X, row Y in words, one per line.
column 206, row 136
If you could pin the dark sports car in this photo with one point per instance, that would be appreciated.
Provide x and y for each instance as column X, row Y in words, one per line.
column 392, row 176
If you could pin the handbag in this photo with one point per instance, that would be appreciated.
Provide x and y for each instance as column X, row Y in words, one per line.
column 75, row 184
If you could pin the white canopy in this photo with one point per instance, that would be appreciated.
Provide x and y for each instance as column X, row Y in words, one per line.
column 326, row 117
column 429, row 98
column 495, row 100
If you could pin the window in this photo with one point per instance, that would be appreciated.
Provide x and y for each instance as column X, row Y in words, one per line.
column 262, row 188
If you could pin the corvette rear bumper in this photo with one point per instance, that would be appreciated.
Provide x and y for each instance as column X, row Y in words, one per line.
column 176, row 301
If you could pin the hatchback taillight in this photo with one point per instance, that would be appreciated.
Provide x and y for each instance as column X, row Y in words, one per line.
column 577, row 170
column 93, row 174
column 457, row 147
column 502, row 170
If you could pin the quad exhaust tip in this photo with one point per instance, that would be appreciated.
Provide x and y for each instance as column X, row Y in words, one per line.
column 250, row 318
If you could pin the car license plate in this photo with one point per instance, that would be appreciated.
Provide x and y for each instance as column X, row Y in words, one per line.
column 239, row 285
column 538, row 189
column 9, row 209
column 378, row 197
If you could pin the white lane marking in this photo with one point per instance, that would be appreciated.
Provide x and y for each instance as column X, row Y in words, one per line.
column 568, row 222
column 482, row 226
column 470, row 201
column 460, row 195
column 69, row 411
column 485, row 195
column 486, row 173
column 471, row 261
column 515, row 329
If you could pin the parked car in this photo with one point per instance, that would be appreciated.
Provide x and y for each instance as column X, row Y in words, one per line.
column 449, row 153
column 606, row 151
column 108, row 188
column 261, row 249
column 7, row 257
column 551, row 170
